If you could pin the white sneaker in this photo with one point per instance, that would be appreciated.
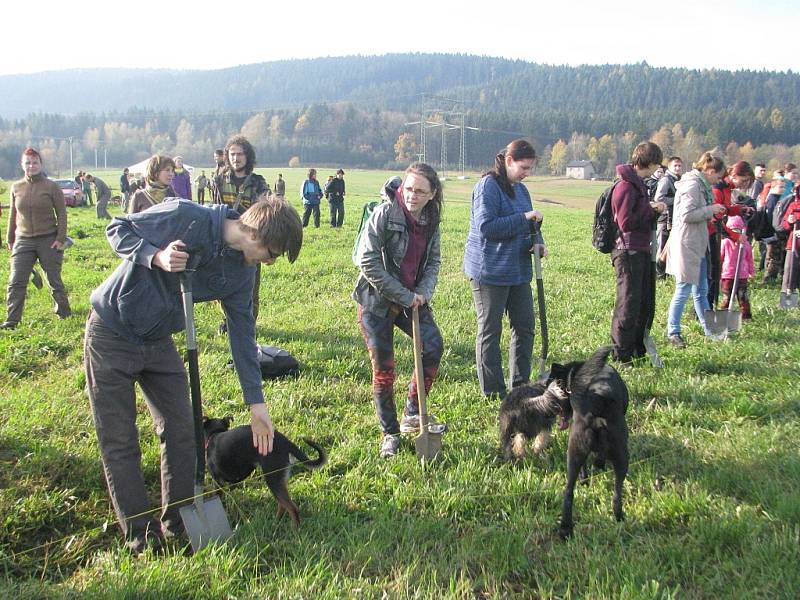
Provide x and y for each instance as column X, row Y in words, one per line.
column 390, row 445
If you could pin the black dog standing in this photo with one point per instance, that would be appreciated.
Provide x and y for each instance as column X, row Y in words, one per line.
column 599, row 401
column 232, row 458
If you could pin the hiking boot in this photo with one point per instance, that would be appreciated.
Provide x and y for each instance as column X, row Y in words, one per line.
column 410, row 423
column 390, row 445
column 223, row 328
column 36, row 278
column 677, row 341
column 8, row 325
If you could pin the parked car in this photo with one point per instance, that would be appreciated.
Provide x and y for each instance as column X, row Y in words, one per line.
column 73, row 195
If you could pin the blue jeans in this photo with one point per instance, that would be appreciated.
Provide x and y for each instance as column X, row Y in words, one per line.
column 699, row 293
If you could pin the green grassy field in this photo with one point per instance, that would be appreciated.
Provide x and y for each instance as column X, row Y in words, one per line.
column 711, row 498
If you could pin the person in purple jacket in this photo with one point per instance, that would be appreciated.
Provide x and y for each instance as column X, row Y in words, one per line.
column 182, row 183
column 635, row 217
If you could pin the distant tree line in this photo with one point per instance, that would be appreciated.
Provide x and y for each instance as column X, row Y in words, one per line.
column 589, row 112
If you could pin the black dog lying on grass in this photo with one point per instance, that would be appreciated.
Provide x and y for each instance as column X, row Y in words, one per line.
column 598, row 403
column 591, row 394
column 231, row 458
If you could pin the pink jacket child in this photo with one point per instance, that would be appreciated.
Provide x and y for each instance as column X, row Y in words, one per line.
column 729, row 253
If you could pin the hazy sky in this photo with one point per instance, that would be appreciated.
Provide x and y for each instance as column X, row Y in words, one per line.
column 733, row 34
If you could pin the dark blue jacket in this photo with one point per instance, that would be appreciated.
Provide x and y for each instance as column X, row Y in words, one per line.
column 311, row 192
column 141, row 303
column 499, row 240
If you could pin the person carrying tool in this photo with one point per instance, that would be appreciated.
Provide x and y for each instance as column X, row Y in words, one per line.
column 635, row 217
column 791, row 269
column 497, row 260
column 128, row 339
column 399, row 257
column 731, row 261
column 688, row 243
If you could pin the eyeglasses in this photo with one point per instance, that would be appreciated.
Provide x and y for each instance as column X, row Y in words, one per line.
column 417, row 192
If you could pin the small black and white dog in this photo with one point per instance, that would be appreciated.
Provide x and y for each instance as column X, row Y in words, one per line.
column 528, row 413
column 598, row 401
column 231, row 457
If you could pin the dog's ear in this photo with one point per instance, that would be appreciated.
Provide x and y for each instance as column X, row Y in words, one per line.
column 228, row 420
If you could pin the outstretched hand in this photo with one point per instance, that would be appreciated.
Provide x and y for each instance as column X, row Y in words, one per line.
column 173, row 258
column 263, row 431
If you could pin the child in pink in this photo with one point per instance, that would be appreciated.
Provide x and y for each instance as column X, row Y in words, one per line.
column 729, row 252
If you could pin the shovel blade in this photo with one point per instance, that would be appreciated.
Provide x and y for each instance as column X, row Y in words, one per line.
column 788, row 300
column 652, row 352
column 428, row 445
column 717, row 322
column 205, row 522
column 734, row 321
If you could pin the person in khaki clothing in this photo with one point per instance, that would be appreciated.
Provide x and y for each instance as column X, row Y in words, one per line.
column 37, row 230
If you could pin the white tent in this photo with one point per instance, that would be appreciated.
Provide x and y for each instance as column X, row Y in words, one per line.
column 140, row 168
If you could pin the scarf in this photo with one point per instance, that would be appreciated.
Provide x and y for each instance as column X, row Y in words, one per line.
column 788, row 187
column 178, row 171
column 706, row 188
column 156, row 191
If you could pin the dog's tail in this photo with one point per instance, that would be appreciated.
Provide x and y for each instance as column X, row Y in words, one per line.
column 588, row 371
column 301, row 456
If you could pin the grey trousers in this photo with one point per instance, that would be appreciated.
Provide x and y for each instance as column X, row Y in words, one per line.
column 113, row 365
column 24, row 254
column 491, row 302
column 102, row 207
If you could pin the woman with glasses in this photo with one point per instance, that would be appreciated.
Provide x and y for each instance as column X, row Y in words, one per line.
column 399, row 257
column 497, row 260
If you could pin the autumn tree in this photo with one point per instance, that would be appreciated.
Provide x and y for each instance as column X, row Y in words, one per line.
column 405, row 148
column 558, row 158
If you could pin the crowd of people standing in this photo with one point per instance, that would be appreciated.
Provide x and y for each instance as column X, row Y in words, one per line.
column 669, row 222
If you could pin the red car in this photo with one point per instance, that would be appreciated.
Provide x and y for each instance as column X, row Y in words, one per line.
column 73, row 195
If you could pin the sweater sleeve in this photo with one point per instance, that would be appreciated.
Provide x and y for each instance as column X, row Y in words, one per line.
column 61, row 213
column 242, row 338
column 11, row 234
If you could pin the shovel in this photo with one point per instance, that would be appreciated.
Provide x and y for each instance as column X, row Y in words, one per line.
column 537, row 262
column 722, row 322
column 429, row 441
column 205, row 520
column 788, row 297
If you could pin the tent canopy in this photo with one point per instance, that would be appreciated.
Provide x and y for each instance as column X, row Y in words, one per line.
column 140, row 168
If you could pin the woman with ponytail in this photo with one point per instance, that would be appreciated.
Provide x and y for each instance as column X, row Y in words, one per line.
column 503, row 232
column 687, row 259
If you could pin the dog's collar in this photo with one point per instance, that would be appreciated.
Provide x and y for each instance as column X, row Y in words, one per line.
column 209, row 438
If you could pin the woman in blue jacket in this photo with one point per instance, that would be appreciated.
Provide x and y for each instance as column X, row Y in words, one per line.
column 497, row 260
column 311, row 193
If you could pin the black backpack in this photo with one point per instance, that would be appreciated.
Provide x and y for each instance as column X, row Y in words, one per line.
column 604, row 229
column 276, row 362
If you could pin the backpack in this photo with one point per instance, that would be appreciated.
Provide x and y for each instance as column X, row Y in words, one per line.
column 779, row 212
column 276, row 362
column 759, row 225
column 366, row 212
column 604, row 229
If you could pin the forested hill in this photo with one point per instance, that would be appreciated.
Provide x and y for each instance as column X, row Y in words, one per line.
column 394, row 82
column 365, row 111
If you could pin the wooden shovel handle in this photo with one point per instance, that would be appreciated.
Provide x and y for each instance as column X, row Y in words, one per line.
column 420, row 375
